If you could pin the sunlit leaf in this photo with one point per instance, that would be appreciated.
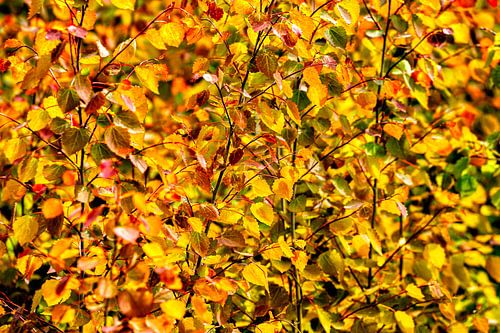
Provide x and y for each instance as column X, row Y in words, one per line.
column 257, row 274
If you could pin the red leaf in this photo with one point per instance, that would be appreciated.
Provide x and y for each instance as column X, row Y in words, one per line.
column 4, row 65
column 214, row 11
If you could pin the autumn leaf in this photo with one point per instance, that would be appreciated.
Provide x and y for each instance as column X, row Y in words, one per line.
column 257, row 274
column 263, row 212
column 172, row 33
column 25, row 229
column 74, row 140
column 118, row 140
column 52, row 208
column 124, row 4
column 405, row 322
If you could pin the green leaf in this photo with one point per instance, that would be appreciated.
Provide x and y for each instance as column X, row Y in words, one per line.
column 129, row 120
column 336, row 36
column 68, row 100
column 74, row 140
column 394, row 148
column 100, row 151
column 331, row 263
column 342, row 186
column 118, row 140
column 374, row 149
column 466, row 185
column 53, row 172
column 59, row 125
column 300, row 98
column 495, row 199
column 298, row 204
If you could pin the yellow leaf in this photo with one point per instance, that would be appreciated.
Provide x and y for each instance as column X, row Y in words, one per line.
column 124, row 4
column 172, row 33
column 153, row 250
column 35, row 8
column 284, row 247
column 317, row 91
column 200, row 65
column 52, row 208
column 50, row 290
column 300, row 260
column 394, row 130
column 493, row 267
column 415, row 292
column 63, row 314
column 260, row 187
column 28, row 264
column 38, row 119
column 51, row 105
column 435, row 254
column 154, row 37
column 263, row 212
column 106, row 288
column 349, row 11
column 367, row 100
column 147, row 76
column 196, row 224
column 256, row 274
column 271, row 117
column 283, row 188
column 293, row 112
column 125, row 51
column 242, row 7
column 43, row 45
column 405, row 322
column 390, row 206
column 266, row 328
column 174, row 308
column 461, row 34
column 25, row 229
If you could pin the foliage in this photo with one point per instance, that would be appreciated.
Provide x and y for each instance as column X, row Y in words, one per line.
column 249, row 165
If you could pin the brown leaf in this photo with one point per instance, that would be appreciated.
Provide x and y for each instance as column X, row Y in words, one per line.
column 135, row 303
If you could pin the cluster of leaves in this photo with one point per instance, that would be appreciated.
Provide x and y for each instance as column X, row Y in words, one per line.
column 251, row 165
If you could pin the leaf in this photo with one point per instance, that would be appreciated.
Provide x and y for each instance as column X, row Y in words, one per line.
column 118, row 140
column 68, row 99
column 172, row 33
column 135, row 303
column 298, row 204
column 331, row 263
column 125, row 52
column 52, row 208
column 493, row 267
column 415, row 292
column 257, row 274
column 174, row 308
column 324, row 318
column 266, row 63
column 25, row 229
column 349, row 11
column 336, row 36
column 37, row 73
column 287, row 36
column 405, row 322
column 35, row 6
column 342, row 186
column 38, row 119
column 293, row 112
column 396, row 131
column 283, row 188
column 466, row 185
column 27, row 169
column 317, row 91
column 99, row 152
column 51, row 296
column 263, row 212
column 124, row 4
column 129, row 234
column 13, row 191
column 129, row 120
column 147, row 76
column 435, row 254
column 200, row 243
column 74, row 140
column 95, row 103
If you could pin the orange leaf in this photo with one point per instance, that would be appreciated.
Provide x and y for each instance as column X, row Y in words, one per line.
column 52, row 208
